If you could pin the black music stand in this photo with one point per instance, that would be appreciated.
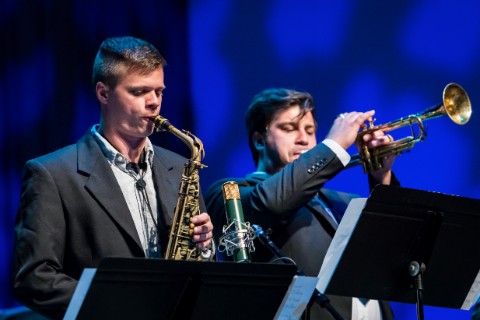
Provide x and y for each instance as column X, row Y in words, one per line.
column 126, row 288
column 407, row 245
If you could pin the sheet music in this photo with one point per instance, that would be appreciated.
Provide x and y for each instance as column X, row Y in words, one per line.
column 80, row 293
column 473, row 295
column 296, row 299
column 339, row 242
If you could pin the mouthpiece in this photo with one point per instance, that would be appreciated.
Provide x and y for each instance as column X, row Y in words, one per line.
column 160, row 123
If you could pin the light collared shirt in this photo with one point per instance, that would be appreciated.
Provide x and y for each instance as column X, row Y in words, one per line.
column 141, row 201
column 368, row 311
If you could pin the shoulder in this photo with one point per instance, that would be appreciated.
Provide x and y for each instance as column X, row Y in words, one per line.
column 67, row 155
column 168, row 157
column 214, row 195
column 49, row 167
column 168, row 154
column 164, row 159
column 64, row 155
column 216, row 187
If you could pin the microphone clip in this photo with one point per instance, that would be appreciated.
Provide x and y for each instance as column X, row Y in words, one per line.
column 234, row 238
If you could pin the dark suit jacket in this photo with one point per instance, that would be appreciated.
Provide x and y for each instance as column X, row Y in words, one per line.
column 72, row 214
column 285, row 204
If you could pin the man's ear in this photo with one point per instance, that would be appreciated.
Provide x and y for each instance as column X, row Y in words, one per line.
column 258, row 141
column 102, row 91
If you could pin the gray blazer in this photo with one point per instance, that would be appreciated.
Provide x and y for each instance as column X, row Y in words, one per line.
column 72, row 214
column 286, row 204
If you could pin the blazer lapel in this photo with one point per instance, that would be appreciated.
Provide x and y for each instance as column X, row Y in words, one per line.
column 320, row 212
column 167, row 184
column 103, row 185
column 337, row 201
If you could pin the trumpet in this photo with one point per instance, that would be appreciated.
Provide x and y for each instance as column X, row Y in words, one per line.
column 455, row 104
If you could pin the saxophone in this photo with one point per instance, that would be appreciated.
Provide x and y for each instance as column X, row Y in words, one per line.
column 180, row 245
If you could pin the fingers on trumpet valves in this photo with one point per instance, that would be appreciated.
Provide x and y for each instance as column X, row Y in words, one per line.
column 377, row 138
column 384, row 140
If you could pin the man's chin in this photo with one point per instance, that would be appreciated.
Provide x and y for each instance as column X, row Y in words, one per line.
column 149, row 129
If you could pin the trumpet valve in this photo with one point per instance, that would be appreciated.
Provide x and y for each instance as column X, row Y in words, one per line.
column 370, row 122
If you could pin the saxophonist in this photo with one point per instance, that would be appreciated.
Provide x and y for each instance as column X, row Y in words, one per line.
column 112, row 194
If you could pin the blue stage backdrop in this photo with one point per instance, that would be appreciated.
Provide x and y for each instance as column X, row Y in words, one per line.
column 394, row 57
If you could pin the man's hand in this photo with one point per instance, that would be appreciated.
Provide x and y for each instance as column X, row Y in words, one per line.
column 376, row 139
column 202, row 232
column 345, row 128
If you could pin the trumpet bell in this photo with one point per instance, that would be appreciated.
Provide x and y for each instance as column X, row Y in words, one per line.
column 457, row 104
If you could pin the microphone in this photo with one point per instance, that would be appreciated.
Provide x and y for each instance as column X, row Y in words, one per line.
column 237, row 238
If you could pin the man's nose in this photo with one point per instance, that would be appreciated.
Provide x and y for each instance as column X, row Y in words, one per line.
column 153, row 100
column 302, row 137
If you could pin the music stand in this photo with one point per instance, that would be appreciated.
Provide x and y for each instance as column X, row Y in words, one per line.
column 135, row 288
column 381, row 240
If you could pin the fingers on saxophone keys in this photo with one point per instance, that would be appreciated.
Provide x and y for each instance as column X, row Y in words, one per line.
column 202, row 229
column 204, row 245
column 200, row 218
column 202, row 237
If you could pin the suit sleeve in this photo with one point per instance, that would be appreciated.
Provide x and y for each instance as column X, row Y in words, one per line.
column 289, row 189
column 281, row 194
column 40, row 244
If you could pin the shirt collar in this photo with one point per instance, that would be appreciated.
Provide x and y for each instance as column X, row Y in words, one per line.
column 261, row 175
column 113, row 156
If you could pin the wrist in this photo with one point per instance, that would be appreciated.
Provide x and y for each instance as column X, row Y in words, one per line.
column 382, row 177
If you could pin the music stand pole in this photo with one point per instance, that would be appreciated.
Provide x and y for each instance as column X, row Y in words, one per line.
column 416, row 271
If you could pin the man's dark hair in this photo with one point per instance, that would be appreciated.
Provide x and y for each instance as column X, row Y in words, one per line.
column 119, row 55
column 266, row 104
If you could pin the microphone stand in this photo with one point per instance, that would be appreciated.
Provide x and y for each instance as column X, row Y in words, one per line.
column 318, row 297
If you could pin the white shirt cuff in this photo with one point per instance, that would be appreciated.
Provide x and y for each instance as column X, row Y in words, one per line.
column 341, row 153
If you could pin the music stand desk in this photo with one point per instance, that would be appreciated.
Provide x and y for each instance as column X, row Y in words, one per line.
column 136, row 288
column 379, row 237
